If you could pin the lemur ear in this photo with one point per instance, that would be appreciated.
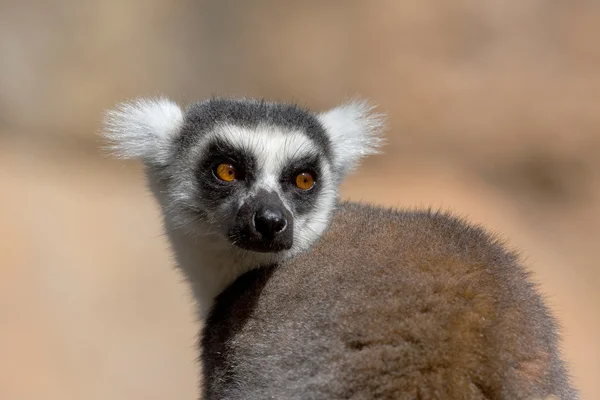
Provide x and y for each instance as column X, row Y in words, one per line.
column 143, row 129
column 355, row 132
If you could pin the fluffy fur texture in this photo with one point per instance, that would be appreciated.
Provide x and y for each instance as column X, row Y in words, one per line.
column 143, row 129
column 178, row 149
column 387, row 305
column 355, row 131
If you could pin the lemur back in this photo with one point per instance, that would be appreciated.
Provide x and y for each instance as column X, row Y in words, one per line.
column 306, row 299
column 387, row 305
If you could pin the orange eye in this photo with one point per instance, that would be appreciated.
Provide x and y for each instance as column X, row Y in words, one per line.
column 226, row 172
column 305, row 181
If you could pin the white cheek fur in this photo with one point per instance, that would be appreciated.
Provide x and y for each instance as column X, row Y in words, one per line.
column 273, row 149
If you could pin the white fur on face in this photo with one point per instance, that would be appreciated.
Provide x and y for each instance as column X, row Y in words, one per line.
column 145, row 129
column 273, row 150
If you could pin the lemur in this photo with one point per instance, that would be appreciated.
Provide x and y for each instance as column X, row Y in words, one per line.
column 307, row 297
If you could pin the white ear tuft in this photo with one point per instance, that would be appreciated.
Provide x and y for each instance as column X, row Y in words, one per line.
column 143, row 129
column 355, row 132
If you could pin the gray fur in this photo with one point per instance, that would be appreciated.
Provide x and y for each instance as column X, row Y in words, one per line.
column 376, row 304
column 387, row 305
column 203, row 116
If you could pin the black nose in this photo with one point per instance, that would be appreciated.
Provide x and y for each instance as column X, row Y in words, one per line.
column 269, row 221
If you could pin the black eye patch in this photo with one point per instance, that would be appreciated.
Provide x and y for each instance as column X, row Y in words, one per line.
column 304, row 201
column 213, row 190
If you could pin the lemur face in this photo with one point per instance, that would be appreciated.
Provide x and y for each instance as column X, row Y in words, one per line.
column 262, row 176
column 258, row 174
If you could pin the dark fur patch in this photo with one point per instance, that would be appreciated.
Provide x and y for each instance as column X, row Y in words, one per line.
column 212, row 189
column 304, row 201
column 244, row 234
column 203, row 116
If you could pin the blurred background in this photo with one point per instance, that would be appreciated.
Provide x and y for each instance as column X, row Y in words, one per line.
column 494, row 113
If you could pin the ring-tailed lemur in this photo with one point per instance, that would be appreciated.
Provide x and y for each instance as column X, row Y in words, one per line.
column 312, row 299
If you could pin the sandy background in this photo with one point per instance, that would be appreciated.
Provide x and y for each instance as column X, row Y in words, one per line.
column 494, row 113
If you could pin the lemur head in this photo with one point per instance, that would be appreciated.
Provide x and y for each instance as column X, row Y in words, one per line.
column 262, row 176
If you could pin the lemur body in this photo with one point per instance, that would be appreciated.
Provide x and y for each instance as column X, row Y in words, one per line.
column 371, row 303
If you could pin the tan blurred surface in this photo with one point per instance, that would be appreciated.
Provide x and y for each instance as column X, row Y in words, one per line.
column 494, row 113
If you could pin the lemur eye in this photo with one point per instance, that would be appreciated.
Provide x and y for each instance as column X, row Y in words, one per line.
column 305, row 181
column 226, row 172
